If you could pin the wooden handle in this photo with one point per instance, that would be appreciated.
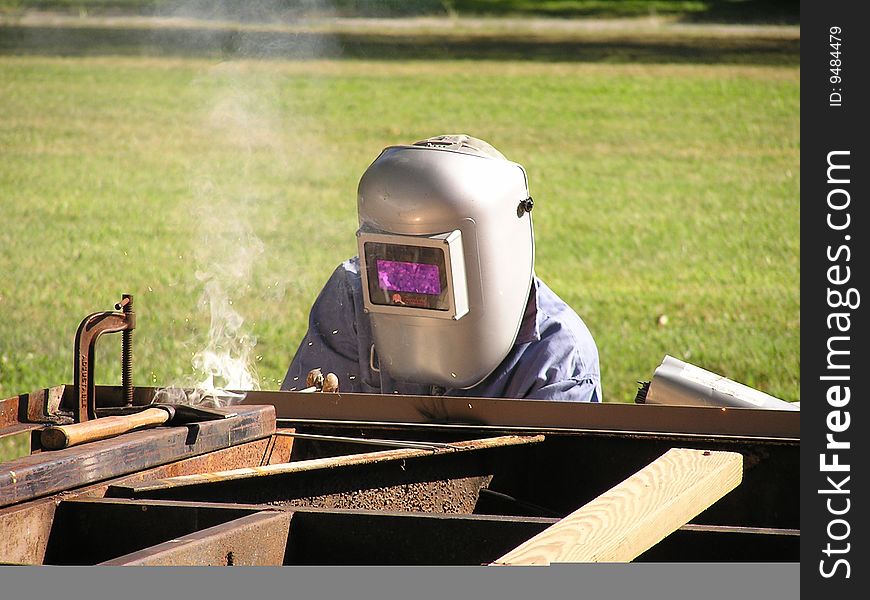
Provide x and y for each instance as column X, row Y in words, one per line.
column 64, row 436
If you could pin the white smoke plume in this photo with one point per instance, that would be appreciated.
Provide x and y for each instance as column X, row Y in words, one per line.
column 227, row 253
column 243, row 113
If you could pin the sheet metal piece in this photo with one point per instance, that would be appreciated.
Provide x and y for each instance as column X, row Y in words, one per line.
column 679, row 383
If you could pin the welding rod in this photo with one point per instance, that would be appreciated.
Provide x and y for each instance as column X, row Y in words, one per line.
column 369, row 441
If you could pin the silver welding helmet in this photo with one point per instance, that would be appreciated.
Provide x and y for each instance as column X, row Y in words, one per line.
column 446, row 257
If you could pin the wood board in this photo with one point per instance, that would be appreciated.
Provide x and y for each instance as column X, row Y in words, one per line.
column 636, row 514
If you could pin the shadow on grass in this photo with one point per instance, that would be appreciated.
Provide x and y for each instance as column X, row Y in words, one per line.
column 233, row 43
column 698, row 11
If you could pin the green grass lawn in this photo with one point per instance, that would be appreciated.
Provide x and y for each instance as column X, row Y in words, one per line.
column 660, row 189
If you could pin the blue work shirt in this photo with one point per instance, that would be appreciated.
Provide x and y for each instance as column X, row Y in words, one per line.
column 553, row 358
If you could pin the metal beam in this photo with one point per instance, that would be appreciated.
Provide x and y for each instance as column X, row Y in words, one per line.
column 47, row 473
column 86, row 532
column 506, row 414
column 259, row 539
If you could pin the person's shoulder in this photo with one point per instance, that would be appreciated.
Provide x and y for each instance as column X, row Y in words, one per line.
column 350, row 266
column 554, row 310
column 346, row 273
column 343, row 282
column 560, row 324
column 562, row 362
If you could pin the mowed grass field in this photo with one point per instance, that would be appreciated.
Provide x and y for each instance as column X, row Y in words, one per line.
column 666, row 200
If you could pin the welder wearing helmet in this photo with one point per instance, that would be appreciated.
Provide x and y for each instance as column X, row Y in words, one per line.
column 443, row 299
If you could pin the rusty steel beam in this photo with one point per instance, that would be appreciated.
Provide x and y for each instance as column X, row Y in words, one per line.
column 85, row 531
column 86, row 534
column 29, row 524
column 166, row 530
column 259, row 539
column 47, row 473
column 26, row 533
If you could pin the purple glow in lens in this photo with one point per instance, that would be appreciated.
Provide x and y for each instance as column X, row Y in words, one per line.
column 417, row 278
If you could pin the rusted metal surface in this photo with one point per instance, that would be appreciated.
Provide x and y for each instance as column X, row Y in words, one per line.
column 410, row 479
column 368, row 441
column 513, row 491
column 329, row 464
column 25, row 533
column 29, row 523
column 85, row 531
column 43, row 406
column 255, row 540
column 89, row 331
column 9, row 411
column 50, row 472
column 569, row 468
column 27, row 434
column 89, row 531
column 458, row 496
column 279, row 450
column 250, row 454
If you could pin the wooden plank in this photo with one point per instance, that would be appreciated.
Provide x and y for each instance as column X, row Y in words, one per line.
column 320, row 463
column 636, row 514
column 50, row 472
